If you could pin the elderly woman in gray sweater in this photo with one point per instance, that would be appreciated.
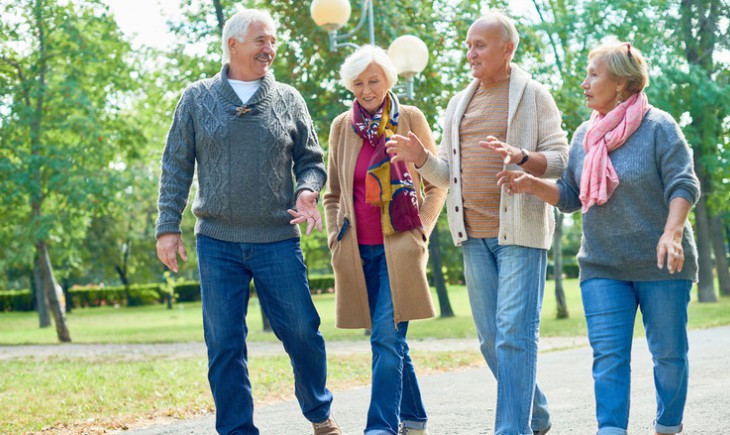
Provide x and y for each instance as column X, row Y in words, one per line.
column 630, row 172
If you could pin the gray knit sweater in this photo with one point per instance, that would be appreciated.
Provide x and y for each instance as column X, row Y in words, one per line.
column 620, row 237
column 246, row 164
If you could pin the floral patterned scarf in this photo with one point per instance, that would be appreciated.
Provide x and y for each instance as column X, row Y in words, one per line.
column 387, row 185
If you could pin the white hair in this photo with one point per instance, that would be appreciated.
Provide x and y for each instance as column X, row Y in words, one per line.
column 358, row 61
column 508, row 27
column 237, row 27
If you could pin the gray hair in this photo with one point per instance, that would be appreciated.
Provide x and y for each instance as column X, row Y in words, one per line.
column 237, row 27
column 358, row 61
column 508, row 27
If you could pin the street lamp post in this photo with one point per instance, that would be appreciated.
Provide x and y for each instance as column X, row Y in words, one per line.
column 409, row 53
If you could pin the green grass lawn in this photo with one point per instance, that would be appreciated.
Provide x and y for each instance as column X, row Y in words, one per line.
column 157, row 324
column 94, row 395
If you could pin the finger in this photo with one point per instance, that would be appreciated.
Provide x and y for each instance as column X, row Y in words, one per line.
column 294, row 213
column 412, row 136
column 310, row 225
column 182, row 252
column 661, row 252
column 172, row 263
column 680, row 263
column 319, row 224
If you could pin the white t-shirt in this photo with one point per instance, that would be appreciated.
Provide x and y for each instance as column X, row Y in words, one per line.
column 245, row 90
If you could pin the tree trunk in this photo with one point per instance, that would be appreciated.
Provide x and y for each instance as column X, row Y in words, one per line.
column 53, row 292
column 561, row 305
column 437, row 273
column 706, row 285
column 219, row 15
column 718, row 246
column 41, row 301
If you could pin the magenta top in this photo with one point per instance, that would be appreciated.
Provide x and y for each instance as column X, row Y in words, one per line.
column 367, row 216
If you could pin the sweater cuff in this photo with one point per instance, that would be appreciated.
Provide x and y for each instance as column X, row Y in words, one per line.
column 687, row 194
column 167, row 228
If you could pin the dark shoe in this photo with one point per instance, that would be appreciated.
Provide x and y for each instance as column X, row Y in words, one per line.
column 542, row 431
column 327, row 427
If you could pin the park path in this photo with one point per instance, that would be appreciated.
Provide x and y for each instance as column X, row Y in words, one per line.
column 461, row 402
column 132, row 352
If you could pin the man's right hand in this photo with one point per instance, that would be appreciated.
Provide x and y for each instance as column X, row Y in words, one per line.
column 168, row 246
column 407, row 149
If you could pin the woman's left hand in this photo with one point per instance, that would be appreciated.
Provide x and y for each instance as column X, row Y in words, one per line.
column 669, row 251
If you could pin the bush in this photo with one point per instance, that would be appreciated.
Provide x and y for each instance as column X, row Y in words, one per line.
column 321, row 283
column 188, row 291
column 16, row 300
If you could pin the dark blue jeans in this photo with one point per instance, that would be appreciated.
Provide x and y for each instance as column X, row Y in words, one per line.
column 395, row 395
column 280, row 276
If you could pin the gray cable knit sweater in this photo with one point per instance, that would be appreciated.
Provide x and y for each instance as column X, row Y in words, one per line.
column 246, row 162
column 620, row 237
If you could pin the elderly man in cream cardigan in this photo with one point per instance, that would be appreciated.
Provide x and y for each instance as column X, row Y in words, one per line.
column 503, row 120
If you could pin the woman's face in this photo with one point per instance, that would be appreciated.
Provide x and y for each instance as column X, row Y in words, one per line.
column 601, row 89
column 370, row 88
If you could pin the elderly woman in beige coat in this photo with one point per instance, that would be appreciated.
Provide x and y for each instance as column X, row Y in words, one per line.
column 378, row 221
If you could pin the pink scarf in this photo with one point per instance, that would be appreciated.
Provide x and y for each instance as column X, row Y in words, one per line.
column 606, row 133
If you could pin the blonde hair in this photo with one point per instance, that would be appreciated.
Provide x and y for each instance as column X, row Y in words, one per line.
column 624, row 62
column 358, row 61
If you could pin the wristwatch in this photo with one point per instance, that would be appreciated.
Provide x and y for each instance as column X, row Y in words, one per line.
column 525, row 157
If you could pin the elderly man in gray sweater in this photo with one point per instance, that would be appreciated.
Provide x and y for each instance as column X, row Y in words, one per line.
column 257, row 157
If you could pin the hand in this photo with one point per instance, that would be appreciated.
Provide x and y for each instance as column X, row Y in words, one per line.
column 168, row 246
column 516, row 182
column 669, row 251
column 508, row 153
column 307, row 211
column 407, row 149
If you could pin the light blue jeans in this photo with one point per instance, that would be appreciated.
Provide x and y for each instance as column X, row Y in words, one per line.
column 395, row 395
column 610, row 309
column 280, row 276
column 505, row 286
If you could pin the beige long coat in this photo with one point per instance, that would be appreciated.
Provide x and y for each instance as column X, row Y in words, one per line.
column 406, row 253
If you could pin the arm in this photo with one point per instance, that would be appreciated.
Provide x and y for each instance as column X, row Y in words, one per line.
column 332, row 194
column 309, row 170
column 434, row 196
column 681, row 191
column 670, row 243
column 178, row 168
column 551, row 151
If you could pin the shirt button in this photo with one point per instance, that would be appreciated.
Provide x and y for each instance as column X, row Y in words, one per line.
column 454, row 151
column 456, row 208
column 460, row 234
column 456, row 180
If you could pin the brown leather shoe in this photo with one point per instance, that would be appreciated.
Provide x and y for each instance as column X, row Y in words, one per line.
column 327, row 427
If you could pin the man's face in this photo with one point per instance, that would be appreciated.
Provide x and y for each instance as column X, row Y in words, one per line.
column 252, row 58
column 488, row 52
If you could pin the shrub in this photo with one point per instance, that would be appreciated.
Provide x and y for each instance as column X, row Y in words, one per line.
column 16, row 300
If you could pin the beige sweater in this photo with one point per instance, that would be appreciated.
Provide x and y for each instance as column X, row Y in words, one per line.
column 533, row 123
column 406, row 253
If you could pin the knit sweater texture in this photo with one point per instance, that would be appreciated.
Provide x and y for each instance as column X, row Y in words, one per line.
column 620, row 237
column 246, row 158
column 533, row 123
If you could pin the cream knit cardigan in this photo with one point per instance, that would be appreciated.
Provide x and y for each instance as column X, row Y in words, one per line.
column 533, row 123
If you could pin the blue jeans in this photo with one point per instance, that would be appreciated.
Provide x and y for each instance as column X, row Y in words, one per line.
column 395, row 395
column 280, row 276
column 610, row 309
column 505, row 286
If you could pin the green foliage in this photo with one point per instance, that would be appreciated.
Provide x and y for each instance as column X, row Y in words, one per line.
column 16, row 300
column 64, row 76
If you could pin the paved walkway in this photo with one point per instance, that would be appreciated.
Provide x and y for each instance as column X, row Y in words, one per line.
column 462, row 402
